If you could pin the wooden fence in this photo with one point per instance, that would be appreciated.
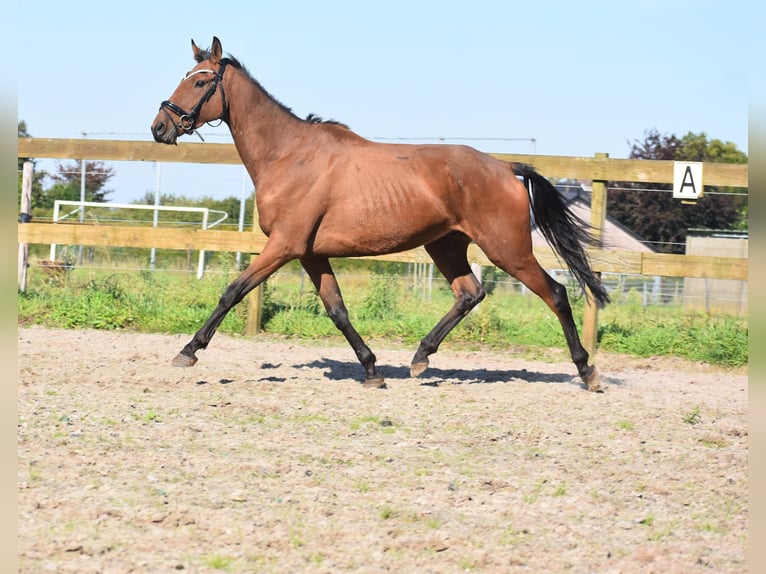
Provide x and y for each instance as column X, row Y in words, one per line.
column 600, row 169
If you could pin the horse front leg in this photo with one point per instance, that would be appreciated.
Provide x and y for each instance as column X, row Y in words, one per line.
column 468, row 293
column 327, row 287
column 449, row 254
column 272, row 258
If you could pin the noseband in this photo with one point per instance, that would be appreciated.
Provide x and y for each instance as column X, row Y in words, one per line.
column 187, row 120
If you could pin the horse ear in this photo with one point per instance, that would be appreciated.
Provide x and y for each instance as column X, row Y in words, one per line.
column 216, row 51
column 197, row 52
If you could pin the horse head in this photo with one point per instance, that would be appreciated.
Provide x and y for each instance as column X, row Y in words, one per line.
column 200, row 91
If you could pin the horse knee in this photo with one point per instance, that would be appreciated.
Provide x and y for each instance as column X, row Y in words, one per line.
column 231, row 296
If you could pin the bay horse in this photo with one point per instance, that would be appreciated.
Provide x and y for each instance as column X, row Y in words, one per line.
column 323, row 191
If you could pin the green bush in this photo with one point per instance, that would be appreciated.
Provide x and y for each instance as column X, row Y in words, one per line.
column 381, row 301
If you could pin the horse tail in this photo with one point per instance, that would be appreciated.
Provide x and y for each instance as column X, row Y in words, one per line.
column 563, row 230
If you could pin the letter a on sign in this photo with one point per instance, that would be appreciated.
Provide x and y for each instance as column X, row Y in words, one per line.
column 687, row 180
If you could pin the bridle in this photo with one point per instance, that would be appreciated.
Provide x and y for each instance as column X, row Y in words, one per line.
column 187, row 120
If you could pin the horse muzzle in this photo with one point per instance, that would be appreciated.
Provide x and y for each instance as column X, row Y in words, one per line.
column 164, row 131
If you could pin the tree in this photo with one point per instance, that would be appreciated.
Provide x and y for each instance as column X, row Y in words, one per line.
column 656, row 216
column 69, row 177
column 66, row 180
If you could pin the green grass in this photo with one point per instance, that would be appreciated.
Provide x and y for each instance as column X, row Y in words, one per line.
column 162, row 302
column 720, row 340
column 218, row 562
column 625, row 425
column 380, row 306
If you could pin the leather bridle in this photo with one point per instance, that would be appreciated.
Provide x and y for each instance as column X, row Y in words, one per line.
column 187, row 120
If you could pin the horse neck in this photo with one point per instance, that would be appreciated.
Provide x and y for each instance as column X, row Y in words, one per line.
column 263, row 130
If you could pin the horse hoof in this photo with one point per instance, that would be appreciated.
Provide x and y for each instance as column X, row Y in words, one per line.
column 182, row 360
column 375, row 382
column 593, row 381
column 416, row 369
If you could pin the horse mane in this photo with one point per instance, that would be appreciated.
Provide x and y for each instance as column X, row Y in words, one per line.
column 314, row 119
column 311, row 118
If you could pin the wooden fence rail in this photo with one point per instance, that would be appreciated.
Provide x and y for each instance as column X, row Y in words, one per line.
column 600, row 169
column 629, row 262
column 591, row 168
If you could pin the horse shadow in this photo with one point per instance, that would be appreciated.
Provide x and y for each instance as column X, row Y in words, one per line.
column 335, row 370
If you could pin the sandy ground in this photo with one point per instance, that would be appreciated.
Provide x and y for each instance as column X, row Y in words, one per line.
column 269, row 456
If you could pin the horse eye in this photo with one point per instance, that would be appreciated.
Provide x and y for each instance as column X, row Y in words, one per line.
column 199, row 83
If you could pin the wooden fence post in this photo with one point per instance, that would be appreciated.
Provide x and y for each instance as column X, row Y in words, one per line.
column 597, row 219
column 25, row 217
column 255, row 298
column 254, row 311
column 476, row 269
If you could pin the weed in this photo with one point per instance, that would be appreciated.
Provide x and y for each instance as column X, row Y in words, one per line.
column 363, row 486
column 625, row 425
column 510, row 536
column 218, row 561
column 433, row 523
column 311, row 418
column 712, row 528
column 714, row 442
column 693, row 417
column 33, row 473
column 296, row 540
column 661, row 533
column 150, row 417
column 253, row 418
column 370, row 421
column 534, row 495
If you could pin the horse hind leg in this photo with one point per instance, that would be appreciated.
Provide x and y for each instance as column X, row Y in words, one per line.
column 449, row 254
column 531, row 274
column 327, row 287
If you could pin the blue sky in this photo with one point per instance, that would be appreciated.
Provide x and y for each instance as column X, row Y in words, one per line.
column 578, row 77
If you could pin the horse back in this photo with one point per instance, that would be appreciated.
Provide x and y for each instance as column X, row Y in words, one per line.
column 359, row 197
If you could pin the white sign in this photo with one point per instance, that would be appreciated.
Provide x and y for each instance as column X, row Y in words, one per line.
column 687, row 180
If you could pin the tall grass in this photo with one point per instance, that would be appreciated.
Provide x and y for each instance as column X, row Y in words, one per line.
column 162, row 301
column 380, row 306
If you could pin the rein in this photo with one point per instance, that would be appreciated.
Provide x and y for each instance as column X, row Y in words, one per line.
column 187, row 120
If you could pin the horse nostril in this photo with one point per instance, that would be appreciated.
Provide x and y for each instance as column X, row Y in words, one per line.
column 159, row 128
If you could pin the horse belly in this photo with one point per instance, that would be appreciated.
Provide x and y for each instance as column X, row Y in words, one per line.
column 368, row 231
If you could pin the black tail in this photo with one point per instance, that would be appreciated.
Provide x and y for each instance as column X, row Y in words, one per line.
column 563, row 230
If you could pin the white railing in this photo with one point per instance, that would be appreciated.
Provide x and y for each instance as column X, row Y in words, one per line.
column 205, row 211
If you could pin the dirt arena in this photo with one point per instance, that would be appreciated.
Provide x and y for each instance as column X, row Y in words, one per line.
column 269, row 456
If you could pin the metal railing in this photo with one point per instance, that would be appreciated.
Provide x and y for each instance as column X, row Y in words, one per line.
column 205, row 211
